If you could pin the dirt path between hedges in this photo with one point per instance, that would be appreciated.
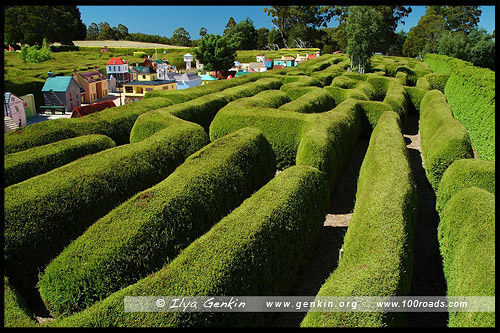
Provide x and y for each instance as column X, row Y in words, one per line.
column 428, row 278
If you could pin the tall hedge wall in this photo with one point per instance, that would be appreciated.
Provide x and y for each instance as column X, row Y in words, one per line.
column 149, row 230
column 35, row 161
column 470, row 92
column 377, row 249
column 466, row 235
column 256, row 250
column 42, row 214
column 444, row 139
column 465, row 173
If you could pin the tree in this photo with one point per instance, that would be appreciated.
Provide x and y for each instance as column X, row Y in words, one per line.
column 92, row 31
column 121, row 32
column 423, row 37
column 181, row 37
column 231, row 23
column 458, row 18
column 105, row 32
column 362, row 27
column 55, row 23
column 391, row 17
column 262, row 38
column 243, row 34
column 286, row 17
column 216, row 52
column 203, row 32
column 454, row 44
column 396, row 48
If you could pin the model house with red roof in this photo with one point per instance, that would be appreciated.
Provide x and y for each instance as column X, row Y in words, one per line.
column 118, row 68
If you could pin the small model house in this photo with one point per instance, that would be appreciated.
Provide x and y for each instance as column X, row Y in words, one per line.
column 13, row 112
column 136, row 90
column 284, row 62
column 205, row 78
column 147, row 80
column 188, row 80
column 118, row 68
column 62, row 91
column 94, row 83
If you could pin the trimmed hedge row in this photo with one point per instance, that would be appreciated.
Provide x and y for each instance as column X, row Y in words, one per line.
column 256, row 250
column 299, row 87
column 327, row 75
column 113, row 122
column 316, row 100
column 470, row 92
column 398, row 100
column 462, row 174
column 328, row 141
column 324, row 140
column 201, row 110
column 466, row 235
column 377, row 251
column 35, row 161
column 15, row 311
column 43, row 213
column 444, row 139
column 261, row 113
column 144, row 233
column 415, row 96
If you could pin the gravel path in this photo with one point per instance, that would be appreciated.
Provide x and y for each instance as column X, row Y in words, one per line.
column 428, row 278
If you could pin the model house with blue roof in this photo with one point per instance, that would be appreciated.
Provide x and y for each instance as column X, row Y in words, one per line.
column 61, row 91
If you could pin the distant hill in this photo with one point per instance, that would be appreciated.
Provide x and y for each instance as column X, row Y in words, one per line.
column 123, row 43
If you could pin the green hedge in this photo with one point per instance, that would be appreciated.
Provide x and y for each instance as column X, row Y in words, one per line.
column 328, row 142
column 323, row 140
column 376, row 255
column 380, row 85
column 462, row 174
column 114, row 122
column 282, row 129
column 437, row 81
column 43, row 213
column 470, row 92
column 316, row 100
column 149, row 230
column 444, row 139
column 327, row 75
column 35, row 161
column 201, row 110
column 15, row 311
column 466, row 235
column 415, row 96
column 256, row 250
column 296, row 88
column 372, row 110
column 398, row 99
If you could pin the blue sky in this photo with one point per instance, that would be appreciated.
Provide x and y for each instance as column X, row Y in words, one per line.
column 163, row 20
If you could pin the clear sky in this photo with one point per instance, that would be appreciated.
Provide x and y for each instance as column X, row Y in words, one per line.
column 163, row 20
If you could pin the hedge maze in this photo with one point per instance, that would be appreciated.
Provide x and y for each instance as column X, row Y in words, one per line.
column 223, row 189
